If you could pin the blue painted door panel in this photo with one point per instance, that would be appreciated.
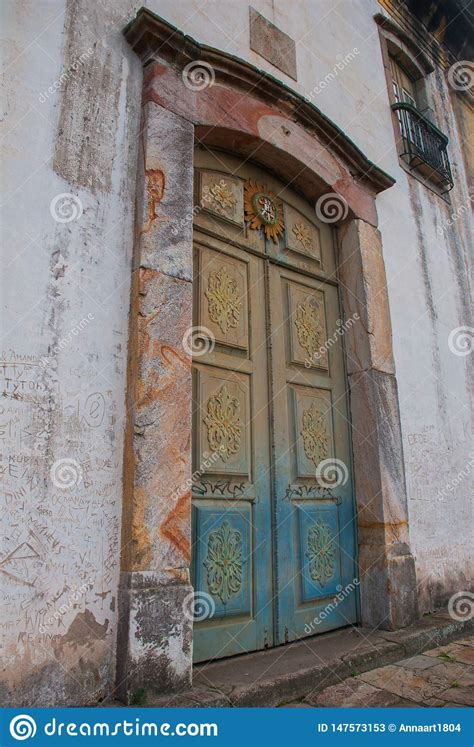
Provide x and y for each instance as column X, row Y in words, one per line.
column 316, row 580
column 232, row 559
column 273, row 546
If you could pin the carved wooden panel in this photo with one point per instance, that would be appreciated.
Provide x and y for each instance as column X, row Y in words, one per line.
column 308, row 328
column 319, row 551
column 223, row 557
column 269, row 407
column 223, row 422
column 313, row 428
column 222, row 195
column 302, row 236
column 223, row 299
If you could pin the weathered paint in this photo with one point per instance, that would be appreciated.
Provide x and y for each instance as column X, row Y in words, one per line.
column 82, row 139
column 64, row 349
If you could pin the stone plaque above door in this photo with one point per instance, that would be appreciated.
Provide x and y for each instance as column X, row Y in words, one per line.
column 272, row 44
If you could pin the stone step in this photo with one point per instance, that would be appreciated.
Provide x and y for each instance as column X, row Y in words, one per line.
column 286, row 674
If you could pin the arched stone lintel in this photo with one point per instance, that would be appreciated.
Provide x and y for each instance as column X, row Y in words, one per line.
column 240, row 95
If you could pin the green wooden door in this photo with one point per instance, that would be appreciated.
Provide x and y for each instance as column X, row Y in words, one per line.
column 273, row 516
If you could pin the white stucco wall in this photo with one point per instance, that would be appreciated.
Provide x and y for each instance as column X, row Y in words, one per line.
column 64, row 381
column 65, row 299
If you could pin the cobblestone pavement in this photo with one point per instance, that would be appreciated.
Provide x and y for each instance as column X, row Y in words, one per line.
column 442, row 676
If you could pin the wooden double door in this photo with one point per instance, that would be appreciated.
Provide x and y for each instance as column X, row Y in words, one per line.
column 273, row 506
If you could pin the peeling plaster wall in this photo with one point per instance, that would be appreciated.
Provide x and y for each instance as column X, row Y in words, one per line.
column 428, row 254
column 66, row 287
column 65, row 299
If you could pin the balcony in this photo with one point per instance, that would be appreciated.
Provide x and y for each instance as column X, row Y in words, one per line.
column 424, row 146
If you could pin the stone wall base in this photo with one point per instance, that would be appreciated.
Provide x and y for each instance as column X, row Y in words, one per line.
column 388, row 587
column 154, row 642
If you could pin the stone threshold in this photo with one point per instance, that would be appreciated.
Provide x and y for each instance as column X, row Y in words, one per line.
column 286, row 674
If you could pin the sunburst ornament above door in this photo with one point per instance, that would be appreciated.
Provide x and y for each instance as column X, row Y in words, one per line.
column 263, row 208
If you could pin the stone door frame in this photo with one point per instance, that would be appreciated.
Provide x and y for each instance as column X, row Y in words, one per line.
column 196, row 94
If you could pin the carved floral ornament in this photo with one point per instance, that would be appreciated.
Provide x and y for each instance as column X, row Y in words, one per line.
column 224, row 427
column 320, row 552
column 223, row 298
column 302, row 234
column 309, row 324
column 263, row 209
column 315, row 435
column 224, row 562
column 221, row 194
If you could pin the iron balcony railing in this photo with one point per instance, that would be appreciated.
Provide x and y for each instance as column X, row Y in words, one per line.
column 424, row 146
